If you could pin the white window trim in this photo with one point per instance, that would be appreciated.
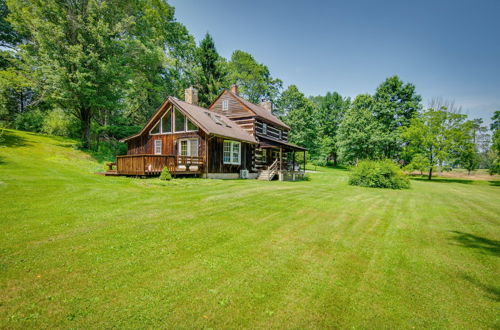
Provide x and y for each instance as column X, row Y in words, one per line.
column 158, row 144
column 231, row 160
column 179, row 141
column 264, row 128
column 225, row 105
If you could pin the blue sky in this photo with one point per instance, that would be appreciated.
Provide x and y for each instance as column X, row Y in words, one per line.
column 448, row 49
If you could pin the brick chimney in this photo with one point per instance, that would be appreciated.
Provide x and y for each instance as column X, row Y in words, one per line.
column 268, row 105
column 191, row 95
column 234, row 89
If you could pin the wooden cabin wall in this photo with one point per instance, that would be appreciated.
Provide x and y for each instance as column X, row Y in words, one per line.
column 215, row 147
column 144, row 144
column 272, row 131
column 236, row 109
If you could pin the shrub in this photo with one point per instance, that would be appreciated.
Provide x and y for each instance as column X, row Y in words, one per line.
column 57, row 122
column 165, row 175
column 378, row 174
column 30, row 121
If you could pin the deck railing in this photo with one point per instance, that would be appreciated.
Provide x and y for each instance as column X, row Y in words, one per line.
column 154, row 164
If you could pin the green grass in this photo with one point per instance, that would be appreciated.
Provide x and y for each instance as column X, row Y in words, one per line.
column 79, row 250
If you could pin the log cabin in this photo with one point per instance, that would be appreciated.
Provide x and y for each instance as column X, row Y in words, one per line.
column 232, row 138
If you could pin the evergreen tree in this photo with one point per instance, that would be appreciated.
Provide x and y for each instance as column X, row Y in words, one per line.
column 213, row 76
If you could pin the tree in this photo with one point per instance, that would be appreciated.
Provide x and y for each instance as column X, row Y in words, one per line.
column 395, row 104
column 253, row 79
column 298, row 112
column 90, row 56
column 439, row 135
column 330, row 110
column 360, row 135
column 495, row 147
column 213, row 76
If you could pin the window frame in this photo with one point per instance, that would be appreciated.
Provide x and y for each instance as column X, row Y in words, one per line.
column 225, row 105
column 264, row 128
column 231, row 151
column 172, row 110
column 158, row 143
column 188, row 147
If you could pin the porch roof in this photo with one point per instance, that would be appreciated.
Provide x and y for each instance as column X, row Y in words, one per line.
column 271, row 143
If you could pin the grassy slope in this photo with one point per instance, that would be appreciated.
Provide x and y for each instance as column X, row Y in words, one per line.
column 81, row 250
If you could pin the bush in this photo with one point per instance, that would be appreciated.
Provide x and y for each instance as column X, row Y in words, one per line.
column 59, row 123
column 165, row 175
column 378, row 174
column 30, row 121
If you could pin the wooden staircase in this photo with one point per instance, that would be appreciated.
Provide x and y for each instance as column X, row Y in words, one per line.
column 269, row 173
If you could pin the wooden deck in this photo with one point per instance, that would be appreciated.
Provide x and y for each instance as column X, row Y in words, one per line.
column 151, row 165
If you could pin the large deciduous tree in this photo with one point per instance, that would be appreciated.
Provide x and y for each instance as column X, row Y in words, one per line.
column 297, row 111
column 395, row 104
column 440, row 136
column 330, row 110
column 91, row 55
column 360, row 135
column 253, row 79
column 495, row 146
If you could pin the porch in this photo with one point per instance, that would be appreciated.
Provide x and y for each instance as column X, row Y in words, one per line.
column 151, row 165
column 285, row 160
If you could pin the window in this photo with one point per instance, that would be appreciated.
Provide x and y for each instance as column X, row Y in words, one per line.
column 166, row 123
column 157, row 147
column 191, row 126
column 225, row 105
column 155, row 129
column 264, row 155
column 232, row 152
column 281, row 134
column 179, row 121
column 188, row 147
column 264, row 128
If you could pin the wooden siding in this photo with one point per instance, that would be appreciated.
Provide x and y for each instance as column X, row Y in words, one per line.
column 144, row 144
column 247, row 123
column 272, row 131
column 215, row 164
column 236, row 109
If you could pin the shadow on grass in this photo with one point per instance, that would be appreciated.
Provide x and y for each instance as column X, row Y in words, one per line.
column 464, row 181
column 11, row 140
column 492, row 292
column 484, row 245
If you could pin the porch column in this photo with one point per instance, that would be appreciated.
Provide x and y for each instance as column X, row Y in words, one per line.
column 293, row 161
column 304, row 160
column 281, row 159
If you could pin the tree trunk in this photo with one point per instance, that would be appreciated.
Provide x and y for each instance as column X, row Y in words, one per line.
column 334, row 156
column 85, row 118
column 430, row 173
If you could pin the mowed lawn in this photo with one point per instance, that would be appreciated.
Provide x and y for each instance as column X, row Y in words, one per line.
column 78, row 250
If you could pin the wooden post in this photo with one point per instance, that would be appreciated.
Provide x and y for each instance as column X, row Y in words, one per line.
column 281, row 159
column 293, row 160
column 304, row 161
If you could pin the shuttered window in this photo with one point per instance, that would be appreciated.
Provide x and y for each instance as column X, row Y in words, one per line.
column 232, row 152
